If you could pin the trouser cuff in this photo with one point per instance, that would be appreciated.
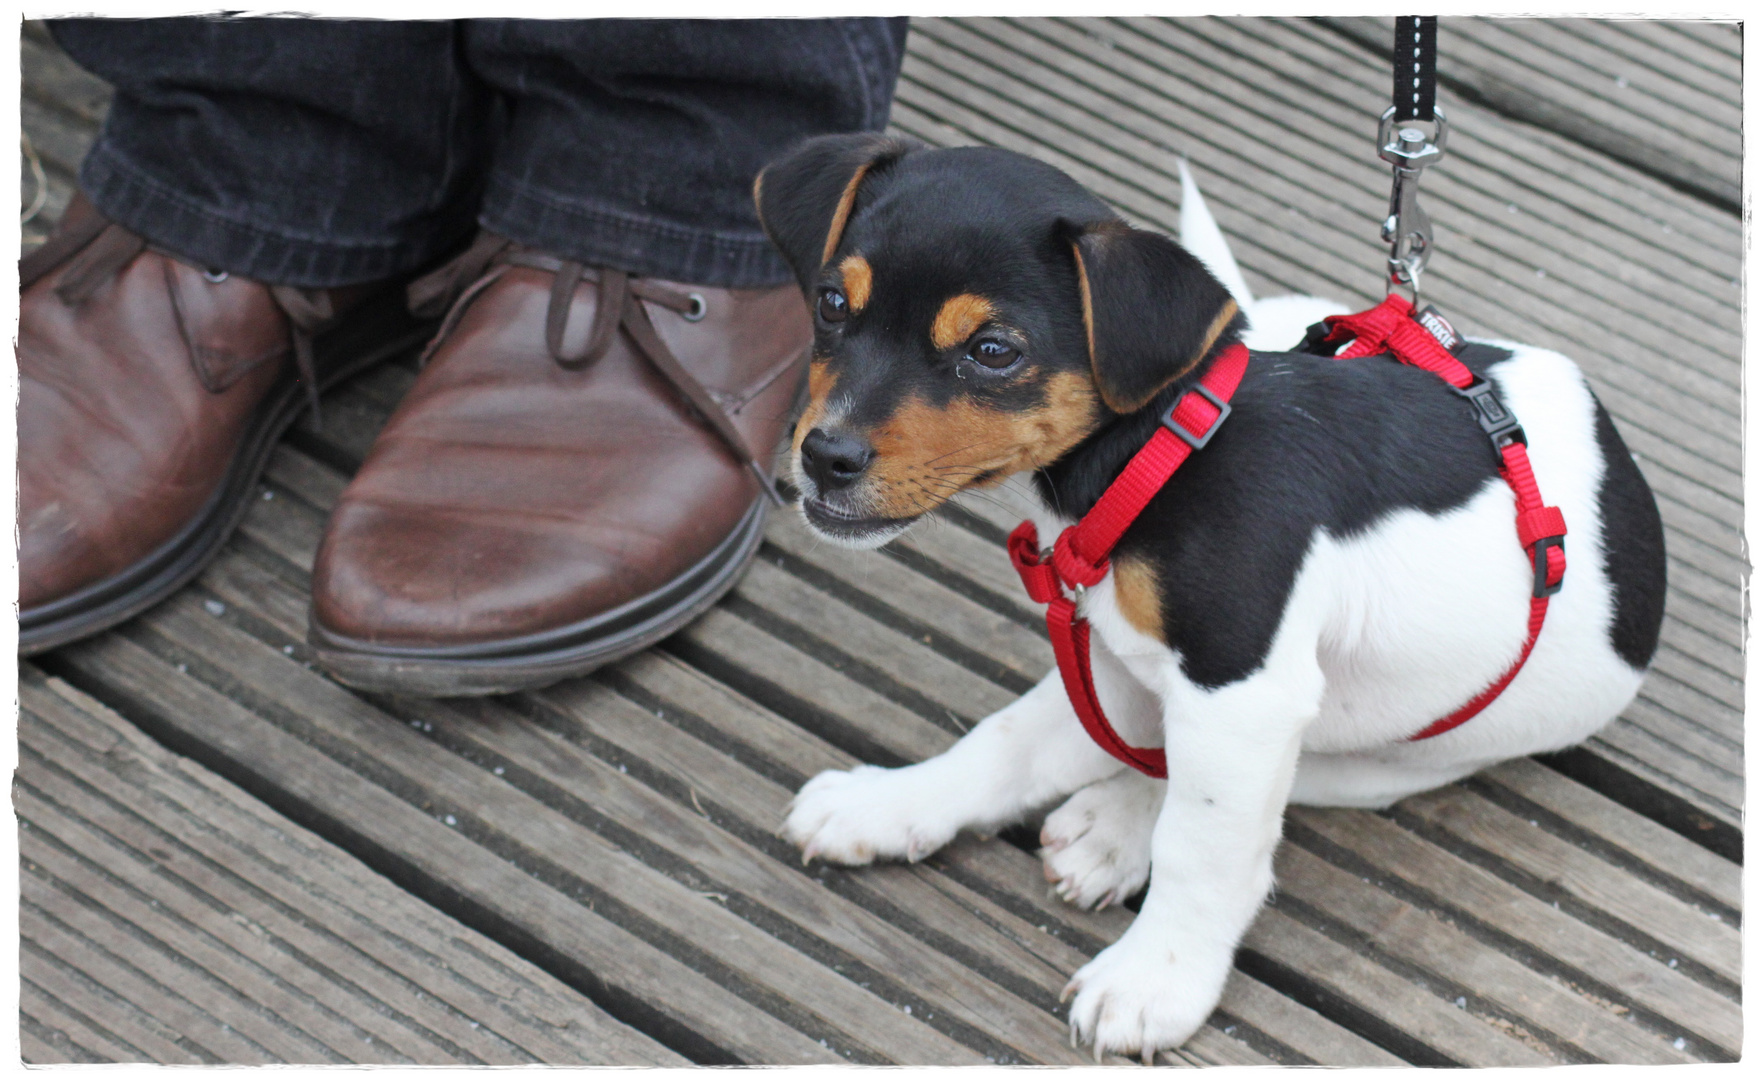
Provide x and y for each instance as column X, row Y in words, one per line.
column 280, row 255
column 602, row 235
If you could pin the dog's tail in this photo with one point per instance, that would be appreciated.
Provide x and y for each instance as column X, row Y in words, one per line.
column 1200, row 235
column 1276, row 323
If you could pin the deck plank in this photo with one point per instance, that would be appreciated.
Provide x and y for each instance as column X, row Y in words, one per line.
column 154, row 692
column 1455, row 965
column 303, row 909
column 284, row 921
column 1694, row 872
column 1557, row 867
column 1472, row 895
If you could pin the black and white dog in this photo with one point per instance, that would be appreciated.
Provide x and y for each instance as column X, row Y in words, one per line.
column 1336, row 570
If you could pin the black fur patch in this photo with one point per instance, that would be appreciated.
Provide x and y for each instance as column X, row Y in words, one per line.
column 1313, row 443
column 1633, row 549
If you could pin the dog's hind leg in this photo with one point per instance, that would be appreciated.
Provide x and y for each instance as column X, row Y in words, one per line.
column 1096, row 847
column 1366, row 783
column 1016, row 760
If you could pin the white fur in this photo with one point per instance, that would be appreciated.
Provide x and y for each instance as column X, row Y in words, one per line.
column 1382, row 633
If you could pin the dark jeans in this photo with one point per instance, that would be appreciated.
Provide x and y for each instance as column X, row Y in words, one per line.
column 318, row 152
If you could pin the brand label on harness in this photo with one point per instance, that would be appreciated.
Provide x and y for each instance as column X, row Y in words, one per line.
column 1440, row 328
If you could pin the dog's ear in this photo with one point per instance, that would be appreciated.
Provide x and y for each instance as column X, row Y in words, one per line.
column 1151, row 309
column 805, row 197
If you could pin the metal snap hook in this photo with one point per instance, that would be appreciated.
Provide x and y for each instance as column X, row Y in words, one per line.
column 699, row 308
column 1408, row 230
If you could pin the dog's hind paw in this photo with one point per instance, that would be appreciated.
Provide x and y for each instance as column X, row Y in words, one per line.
column 1096, row 847
column 867, row 813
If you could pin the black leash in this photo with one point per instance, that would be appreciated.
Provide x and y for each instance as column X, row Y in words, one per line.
column 1407, row 230
column 1416, row 66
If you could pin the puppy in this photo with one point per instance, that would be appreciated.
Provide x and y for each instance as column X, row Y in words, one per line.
column 1337, row 569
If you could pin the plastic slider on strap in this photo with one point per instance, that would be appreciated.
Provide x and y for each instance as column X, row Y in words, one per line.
column 1490, row 413
column 1546, row 530
column 1539, row 584
column 1198, row 441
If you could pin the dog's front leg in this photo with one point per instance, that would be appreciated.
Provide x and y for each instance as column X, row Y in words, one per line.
column 1232, row 754
column 1014, row 761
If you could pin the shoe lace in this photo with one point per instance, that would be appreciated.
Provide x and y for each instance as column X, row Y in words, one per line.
column 95, row 250
column 620, row 307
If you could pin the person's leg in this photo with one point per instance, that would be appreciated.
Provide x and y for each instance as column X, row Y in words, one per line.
column 634, row 143
column 308, row 152
column 186, row 306
column 579, row 470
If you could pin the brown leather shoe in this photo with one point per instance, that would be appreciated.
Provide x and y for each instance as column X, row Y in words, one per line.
column 150, row 395
column 575, row 475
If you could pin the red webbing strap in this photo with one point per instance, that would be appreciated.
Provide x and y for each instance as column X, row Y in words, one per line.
column 1389, row 328
column 1079, row 557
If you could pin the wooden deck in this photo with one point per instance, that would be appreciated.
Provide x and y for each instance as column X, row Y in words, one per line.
column 226, row 856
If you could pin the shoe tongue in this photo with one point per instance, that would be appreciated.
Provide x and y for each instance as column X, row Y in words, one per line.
column 231, row 326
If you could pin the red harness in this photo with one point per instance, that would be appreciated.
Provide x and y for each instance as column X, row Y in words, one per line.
column 1079, row 559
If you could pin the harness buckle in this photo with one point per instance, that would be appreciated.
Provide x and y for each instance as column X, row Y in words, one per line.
column 1197, row 442
column 1539, row 586
column 1490, row 413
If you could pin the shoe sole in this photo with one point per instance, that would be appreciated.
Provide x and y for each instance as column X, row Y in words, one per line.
column 380, row 329
column 538, row 660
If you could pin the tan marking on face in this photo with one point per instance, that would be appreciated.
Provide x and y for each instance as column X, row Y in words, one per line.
column 959, row 318
column 1138, row 592
column 858, row 280
column 1088, row 305
column 924, row 455
column 820, row 382
column 841, row 216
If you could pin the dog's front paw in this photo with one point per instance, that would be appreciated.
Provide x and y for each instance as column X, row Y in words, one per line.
column 1096, row 847
column 866, row 814
column 1139, row 996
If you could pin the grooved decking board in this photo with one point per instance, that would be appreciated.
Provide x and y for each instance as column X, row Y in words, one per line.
column 1640, row 91
column 618, row 831
column 165, row 891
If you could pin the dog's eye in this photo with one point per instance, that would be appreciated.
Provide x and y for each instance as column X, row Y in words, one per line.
column 833, row 306
column 993, row 354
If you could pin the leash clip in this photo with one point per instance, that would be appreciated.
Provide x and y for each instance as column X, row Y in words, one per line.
column 1408, row 230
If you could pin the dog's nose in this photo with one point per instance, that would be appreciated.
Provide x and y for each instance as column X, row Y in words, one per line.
column 834, row 461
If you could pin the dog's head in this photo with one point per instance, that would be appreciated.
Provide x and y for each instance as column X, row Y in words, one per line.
column 976, row 313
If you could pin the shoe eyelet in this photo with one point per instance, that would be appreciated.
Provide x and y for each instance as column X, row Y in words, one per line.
column 699, row 308
column 216, row 276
